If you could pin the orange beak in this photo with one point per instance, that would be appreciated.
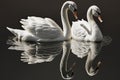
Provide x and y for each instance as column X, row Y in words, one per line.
column 75, row 14
column 100, row 19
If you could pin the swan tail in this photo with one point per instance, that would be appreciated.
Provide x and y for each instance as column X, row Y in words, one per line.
column 14, row 31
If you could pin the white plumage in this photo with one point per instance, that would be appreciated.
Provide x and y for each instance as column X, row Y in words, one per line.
column 87, row 30
column 45, row 29
column 38, row 29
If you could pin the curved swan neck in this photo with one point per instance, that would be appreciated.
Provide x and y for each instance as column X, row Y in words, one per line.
column 65, row 21
column 90, row 17
column 96, row 34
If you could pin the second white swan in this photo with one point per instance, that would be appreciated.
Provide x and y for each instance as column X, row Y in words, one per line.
column 45, row 29
column 88, row 31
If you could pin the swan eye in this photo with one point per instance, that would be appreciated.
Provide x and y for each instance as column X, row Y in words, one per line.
column 95, row 13
column 73, row 7
column 99, row 13
column 75, row 10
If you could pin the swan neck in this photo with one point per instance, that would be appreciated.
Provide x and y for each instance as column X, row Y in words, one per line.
column 94, row 29
column 65, row 21
column 90, row 17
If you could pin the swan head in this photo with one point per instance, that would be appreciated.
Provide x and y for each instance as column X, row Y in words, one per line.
column 96, row 12
column 72, row 7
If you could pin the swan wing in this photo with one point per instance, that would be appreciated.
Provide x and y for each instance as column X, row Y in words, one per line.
column 31, row 22
column 48, row 32
column 80, row 29
column 53, row 23
column 44, row 28
column 86, row 24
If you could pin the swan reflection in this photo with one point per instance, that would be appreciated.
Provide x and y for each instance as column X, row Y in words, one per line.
column 46, row 52
column 36, row 52
column 66, row 72
column 91, row 50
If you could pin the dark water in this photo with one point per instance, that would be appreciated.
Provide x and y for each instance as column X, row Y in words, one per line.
column 30, row 61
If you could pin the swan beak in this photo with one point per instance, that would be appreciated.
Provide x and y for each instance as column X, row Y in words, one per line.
column 100, row 19
column 75, row 14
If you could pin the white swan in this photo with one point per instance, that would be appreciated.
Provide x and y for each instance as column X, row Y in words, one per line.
column 45, row 29
column 88, row 31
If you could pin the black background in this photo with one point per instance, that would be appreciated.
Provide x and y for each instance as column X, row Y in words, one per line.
column 11, row 11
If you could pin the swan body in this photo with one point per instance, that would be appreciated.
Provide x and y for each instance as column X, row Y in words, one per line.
column 45, row 29
column 88, row 30
column 38, row 29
